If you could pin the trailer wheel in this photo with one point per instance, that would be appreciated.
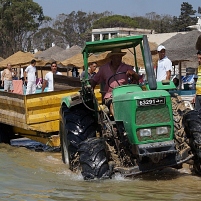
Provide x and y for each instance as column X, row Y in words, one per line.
column 179, row 109
column 93, row 159
column 6, row 133
column 77, row 124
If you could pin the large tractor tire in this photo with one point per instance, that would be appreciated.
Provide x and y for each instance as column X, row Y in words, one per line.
column 93, row 159
column 192, row 125
column 62, row 132
column 179, row 109
column 76, row 125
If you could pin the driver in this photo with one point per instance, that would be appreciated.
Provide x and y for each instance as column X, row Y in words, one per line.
column 109, row 70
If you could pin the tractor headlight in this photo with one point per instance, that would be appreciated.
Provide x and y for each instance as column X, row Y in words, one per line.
column 161, row 130
column 145, row 132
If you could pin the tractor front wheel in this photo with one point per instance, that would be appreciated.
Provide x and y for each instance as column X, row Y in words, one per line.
column 93, row 159
column 76, row 125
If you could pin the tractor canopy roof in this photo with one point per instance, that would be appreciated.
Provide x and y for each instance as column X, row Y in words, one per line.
column 123, row 43
column 108, row 45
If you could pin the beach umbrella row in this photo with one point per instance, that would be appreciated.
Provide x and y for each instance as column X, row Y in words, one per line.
column 21, row 59
column 101, row 58
column 73, row 57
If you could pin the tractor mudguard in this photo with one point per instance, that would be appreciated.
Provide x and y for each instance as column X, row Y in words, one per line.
column 72, row 100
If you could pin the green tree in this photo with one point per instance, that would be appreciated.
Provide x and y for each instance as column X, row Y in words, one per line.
column 143, row 22
column 75, row 28
column 158, row 23
column 115, row 21
column 44, row 38
column 19, row 19
column 186, row 18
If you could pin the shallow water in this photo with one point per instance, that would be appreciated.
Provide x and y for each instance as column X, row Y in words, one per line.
column 30, row 175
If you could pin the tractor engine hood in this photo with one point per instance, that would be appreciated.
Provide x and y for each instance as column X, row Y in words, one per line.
column 128, row 93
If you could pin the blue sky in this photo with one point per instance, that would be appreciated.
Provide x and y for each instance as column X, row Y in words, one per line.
column 131, row 8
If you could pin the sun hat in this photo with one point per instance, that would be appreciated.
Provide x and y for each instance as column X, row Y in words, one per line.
column 160, row 47
column 116, row 51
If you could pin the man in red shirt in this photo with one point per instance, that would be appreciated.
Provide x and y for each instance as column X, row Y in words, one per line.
column 106, row 71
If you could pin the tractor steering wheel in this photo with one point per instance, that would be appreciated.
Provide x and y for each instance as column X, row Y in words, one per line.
column 114, row 76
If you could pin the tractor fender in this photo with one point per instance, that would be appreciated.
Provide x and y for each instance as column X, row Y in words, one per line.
column 72, row 100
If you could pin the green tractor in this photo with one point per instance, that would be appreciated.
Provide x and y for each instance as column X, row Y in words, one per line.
column 145, row 133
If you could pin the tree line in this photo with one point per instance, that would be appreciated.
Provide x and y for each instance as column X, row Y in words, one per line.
column 23, row 25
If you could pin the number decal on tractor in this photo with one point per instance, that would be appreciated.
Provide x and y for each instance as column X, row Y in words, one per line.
column 151, row 101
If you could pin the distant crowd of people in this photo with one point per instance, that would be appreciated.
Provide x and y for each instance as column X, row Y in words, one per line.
column 29, row 78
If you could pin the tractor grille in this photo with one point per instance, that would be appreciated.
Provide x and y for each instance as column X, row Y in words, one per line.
column 152, row 115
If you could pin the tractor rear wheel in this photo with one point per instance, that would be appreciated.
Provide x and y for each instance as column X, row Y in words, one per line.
column 77, row 124
column 179, row 109
column 93, row 159
column 192, row 122
column 197, row 166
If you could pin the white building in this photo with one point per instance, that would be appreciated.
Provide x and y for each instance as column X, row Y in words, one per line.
column 108, row 33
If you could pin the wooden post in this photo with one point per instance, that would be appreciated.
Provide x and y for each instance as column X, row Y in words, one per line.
column 41, row 72
column 67, row 71
column 18, row 71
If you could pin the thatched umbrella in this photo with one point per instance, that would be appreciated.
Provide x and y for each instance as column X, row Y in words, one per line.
column 77, row 60
column 66, row 54
column 182, row 46
column 101, row 58
column 37, row 53
column 17, row 59
column 22, row 59
column 46, row 55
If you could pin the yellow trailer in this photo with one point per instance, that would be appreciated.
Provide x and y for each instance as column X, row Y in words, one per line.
column 35, row 116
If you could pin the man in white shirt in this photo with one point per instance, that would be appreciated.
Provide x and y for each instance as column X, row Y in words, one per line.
column 48, row 81
column 91, row 70
column 30, row 78
column 164, row 67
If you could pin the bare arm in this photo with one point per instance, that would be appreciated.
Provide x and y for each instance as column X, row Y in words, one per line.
column 133, row 74
column 44, row 85
column 168, row 75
